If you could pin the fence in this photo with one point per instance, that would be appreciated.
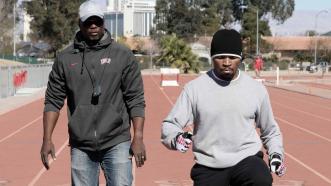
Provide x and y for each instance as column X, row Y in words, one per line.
column 27, row 76
column 23, row 59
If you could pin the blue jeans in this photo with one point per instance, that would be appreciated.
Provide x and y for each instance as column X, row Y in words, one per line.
column 115, row 163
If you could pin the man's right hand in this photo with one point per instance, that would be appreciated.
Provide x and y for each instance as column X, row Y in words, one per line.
column 46, row 149
column 183, row 141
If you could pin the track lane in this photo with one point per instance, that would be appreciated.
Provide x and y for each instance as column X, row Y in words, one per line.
column 307, row 154
column 15, row 120
column 301, row 99
column 22, row 161
column 163, row 167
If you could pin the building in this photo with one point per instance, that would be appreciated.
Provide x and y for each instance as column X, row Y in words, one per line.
column 130, row 17
column 286, row 46
column 114, row 22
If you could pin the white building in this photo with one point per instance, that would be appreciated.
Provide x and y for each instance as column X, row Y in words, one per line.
column 137, row 17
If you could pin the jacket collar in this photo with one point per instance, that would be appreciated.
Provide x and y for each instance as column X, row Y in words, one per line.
column 80, row 44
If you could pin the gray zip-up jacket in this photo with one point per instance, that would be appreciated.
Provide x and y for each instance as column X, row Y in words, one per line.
column 96, row 123
column 225, row 117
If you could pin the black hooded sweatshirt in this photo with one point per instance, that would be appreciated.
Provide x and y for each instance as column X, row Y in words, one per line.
column 108, row 70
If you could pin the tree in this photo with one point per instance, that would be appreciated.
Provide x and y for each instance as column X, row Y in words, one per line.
column 215, row 14
column 204, row 17
column 248, row 31
column 123, row 41
column 324, row 53
column 178, row 17
column 310, row 33
column 6, row 29
column 177, row 54
column 191, row 17
column 138, row 44
column 245, row 12
column 54, row 21
column 280, row 10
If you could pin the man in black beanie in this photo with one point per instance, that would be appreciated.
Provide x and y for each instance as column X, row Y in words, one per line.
column 226, row 106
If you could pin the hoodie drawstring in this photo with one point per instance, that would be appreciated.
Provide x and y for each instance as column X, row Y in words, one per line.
column 83, row 61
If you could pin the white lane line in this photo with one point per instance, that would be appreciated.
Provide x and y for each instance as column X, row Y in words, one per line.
column 168, row 98
column 43, row 170
column 133, row 171
column 304, row 112
column 171, row 102
column 302, row 101
column 20, row 129
column 303, row 129
column 309, row 168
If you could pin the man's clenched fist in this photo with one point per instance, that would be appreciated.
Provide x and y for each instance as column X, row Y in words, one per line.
column 183, row 141
column 276, row 164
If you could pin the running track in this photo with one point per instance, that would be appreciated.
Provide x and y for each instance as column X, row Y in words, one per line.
column 304, row 120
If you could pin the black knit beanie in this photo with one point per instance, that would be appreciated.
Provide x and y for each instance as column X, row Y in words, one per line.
column 226, row 42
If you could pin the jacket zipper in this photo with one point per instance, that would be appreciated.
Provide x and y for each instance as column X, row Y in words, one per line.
column 94, row 111
column 95, row 130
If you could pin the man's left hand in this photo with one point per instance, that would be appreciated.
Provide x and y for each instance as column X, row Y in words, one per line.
column 138, row 151
column 277, row 164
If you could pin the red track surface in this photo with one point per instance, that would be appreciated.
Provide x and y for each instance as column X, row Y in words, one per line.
column 304, row 120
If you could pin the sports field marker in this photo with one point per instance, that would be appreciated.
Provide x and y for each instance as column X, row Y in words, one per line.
column 167, row 73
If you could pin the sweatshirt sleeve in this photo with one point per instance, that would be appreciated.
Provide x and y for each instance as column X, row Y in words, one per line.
column 180, row 115
column 56, row 88
column 133, row 89
column 270, row 133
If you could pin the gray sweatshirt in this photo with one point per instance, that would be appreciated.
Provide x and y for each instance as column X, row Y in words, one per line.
column 225, row 117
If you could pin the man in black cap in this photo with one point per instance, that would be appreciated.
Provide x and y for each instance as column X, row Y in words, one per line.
column 103, row 86
column 226, row 106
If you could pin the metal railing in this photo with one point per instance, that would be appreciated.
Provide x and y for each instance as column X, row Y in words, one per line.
column 13, row 78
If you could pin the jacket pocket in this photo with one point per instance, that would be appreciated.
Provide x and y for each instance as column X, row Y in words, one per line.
column 81, row 127
column 110, row 122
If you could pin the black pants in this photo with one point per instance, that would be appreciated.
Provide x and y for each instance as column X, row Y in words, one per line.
column 251, row 171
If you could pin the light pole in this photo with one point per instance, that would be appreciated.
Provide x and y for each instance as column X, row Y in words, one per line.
column 257, row 31
column 14, row 31
column 116, row 21
column 132, row 17
column 316, row 35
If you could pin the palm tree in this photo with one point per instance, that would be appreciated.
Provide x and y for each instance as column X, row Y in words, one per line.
column 176, row 53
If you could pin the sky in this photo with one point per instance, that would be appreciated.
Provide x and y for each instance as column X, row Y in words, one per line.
column 312, row 4
column 305, row 18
